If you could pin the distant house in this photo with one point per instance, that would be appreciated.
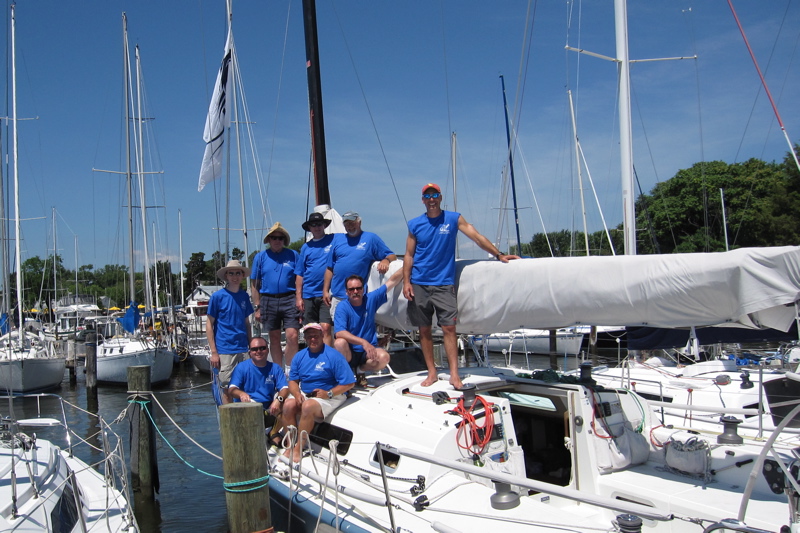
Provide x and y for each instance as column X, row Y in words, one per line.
column 197, row 305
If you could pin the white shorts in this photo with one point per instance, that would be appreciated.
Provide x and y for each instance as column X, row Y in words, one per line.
column 328, row 406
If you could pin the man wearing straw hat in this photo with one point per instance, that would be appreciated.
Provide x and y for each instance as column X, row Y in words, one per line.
column 272, row 287
column 228, row 323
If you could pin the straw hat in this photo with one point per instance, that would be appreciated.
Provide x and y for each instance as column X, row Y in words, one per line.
column 277, row 228
column 233, row 264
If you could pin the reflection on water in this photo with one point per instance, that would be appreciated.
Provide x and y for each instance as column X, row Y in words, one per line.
column 189, row 500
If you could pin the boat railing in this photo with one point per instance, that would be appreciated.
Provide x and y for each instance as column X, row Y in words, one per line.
column 733, row 525
column 112, row 445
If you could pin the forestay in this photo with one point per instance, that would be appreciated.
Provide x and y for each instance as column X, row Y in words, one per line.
column 748, row 287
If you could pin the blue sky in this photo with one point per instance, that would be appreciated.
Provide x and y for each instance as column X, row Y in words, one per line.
column 398, row 77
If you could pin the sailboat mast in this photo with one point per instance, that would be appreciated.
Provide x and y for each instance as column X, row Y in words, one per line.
column 323, row 195
column 15, row 143
column 511, row 165
column 148, row 296
column 128, row 175
column 625, row 129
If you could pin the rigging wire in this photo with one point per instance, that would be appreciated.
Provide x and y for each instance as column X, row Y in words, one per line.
column 369, row 111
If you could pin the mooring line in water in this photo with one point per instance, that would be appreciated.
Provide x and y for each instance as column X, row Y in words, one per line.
column 209, row 452
column 171, row 447
column 181, row 390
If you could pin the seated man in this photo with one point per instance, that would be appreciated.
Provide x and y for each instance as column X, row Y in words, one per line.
column 259, row 380
column 317, row 383
column 354, row 325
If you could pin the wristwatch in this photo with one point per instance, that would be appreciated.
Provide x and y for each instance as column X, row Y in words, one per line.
column 330, row 395
column 280, row 398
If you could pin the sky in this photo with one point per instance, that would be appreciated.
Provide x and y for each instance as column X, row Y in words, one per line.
column 398, row 78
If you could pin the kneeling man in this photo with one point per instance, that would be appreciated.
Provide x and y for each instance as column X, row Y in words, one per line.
column 354, row 326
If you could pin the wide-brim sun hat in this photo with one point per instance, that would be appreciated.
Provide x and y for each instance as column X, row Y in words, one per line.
column 315, row 217
column 277, row 228
column 233, row 264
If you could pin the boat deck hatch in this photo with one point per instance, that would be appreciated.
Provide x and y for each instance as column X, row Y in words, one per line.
column 324, row 432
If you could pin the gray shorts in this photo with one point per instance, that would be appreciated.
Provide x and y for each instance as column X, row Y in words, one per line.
column 334, row 302
column 317, row 311
column 278, row 312
column 430, row 298
column 227, row 362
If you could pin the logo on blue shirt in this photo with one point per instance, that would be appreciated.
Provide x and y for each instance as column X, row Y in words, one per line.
column 444, row 229
column 362, row 245
column 320, row 366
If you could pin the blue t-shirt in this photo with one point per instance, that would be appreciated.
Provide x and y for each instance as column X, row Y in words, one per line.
column 276, row 271
column 354, row 255
column 434, row 257
column 229, row 311
column 261, row 383
column 323, row 370
column 312, row 265
column 360, row 321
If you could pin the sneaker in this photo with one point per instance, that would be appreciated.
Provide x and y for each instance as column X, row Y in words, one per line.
column 281, row 470
column 361, row 380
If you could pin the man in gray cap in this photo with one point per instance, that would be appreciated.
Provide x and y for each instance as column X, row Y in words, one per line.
column 353, row 253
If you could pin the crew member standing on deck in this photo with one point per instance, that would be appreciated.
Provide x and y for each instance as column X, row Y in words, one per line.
column 272, row 287
column 311, row 275
column 228, row 323
column 353, row 253
column 429, row 270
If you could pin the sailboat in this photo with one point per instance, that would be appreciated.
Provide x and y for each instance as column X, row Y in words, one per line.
column 534, row 452
column 132, row 345
column 26, row 362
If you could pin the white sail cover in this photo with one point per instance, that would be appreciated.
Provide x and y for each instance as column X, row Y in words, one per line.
column 748, row 287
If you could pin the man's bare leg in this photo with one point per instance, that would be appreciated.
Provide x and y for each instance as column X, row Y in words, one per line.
column 426, row 343
column 327, row 336
column 451, row 349
column 275, row 347
column 291, row 344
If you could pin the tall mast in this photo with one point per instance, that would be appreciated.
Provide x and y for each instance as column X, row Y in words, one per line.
column 148, row 296
column 128, row 175
column 18, row 237
column 511, row 166
column 625, row 129
column 323, row 195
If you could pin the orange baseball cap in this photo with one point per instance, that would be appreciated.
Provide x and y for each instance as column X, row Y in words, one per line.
column 431, row 186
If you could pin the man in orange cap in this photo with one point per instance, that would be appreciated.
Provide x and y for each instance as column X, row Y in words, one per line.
column 429, row 276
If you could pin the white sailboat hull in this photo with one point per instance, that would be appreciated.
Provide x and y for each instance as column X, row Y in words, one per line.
column 31, row 374
column 116, row 355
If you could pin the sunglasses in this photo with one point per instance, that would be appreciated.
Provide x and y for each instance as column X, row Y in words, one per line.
column 315, row 224
column 429, row 195
column 276, row 237
column 355, row 289
column 258, row 349
column 236, row 273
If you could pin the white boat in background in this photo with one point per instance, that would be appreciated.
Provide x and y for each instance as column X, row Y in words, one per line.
column 524, row 341
column 26, row 363
column 44, row 488
column 70, row 313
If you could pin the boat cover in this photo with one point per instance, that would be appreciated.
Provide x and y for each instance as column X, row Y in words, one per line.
column 747, row 287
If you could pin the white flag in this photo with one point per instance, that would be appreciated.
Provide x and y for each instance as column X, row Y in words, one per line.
column 217, row 120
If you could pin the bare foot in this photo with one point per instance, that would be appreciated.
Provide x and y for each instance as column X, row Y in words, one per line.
column 431, row 379
column 455, row 381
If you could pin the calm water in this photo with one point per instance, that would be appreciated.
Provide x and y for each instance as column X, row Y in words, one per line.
column 188, row 501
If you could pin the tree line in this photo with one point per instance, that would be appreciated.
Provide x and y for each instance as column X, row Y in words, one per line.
column 681, row 215
column 759, row 206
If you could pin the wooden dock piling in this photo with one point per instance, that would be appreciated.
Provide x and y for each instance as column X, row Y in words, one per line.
column 245, row 467
column 144, row 468
column 91, row 360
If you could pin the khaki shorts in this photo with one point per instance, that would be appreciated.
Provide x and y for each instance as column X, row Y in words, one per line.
column 328, row 406
column 227, row 362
